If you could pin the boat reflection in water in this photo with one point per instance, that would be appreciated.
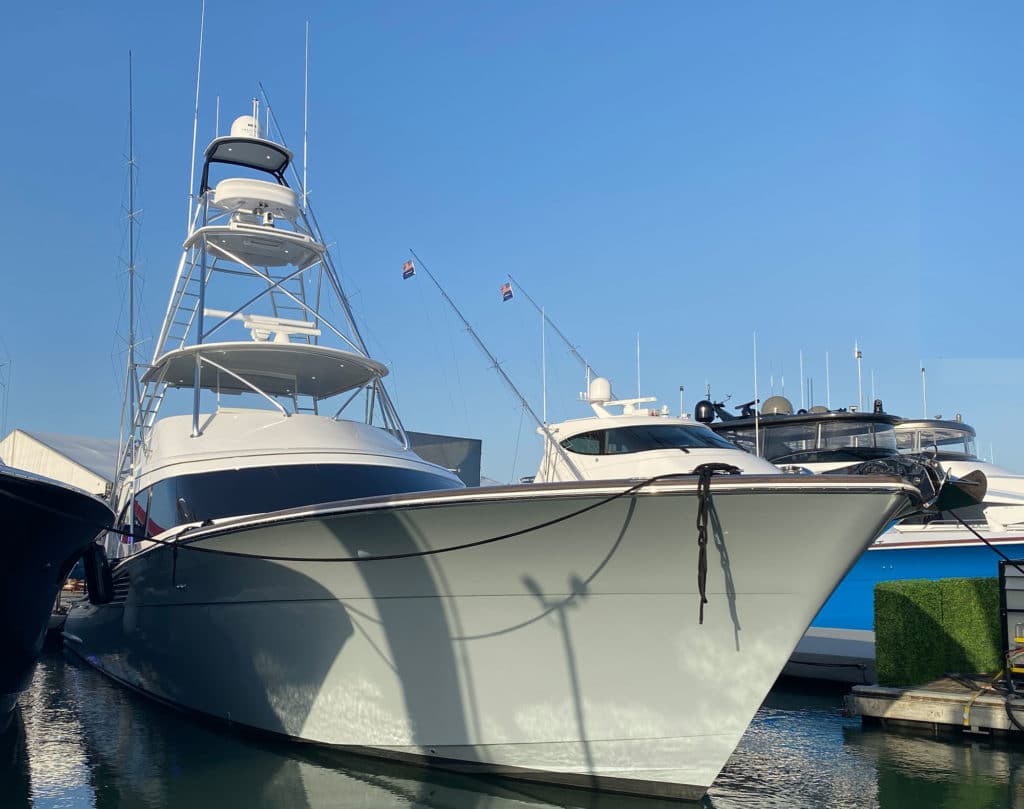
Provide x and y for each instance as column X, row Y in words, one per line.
column 85, row 742
column 14, row 773
column 93, row 744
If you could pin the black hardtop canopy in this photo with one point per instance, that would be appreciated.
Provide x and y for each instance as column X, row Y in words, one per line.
column 252, row 153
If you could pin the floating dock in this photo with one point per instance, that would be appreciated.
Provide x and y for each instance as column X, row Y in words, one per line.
column 834, row 655
column 944, row 706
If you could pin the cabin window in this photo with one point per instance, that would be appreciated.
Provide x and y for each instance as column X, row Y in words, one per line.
column 948, row 442
column 234, row 492
column 586, row 443
column 644, row 438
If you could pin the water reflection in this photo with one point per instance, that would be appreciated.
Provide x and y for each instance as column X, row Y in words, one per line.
column 801, row 751
column 91, row 743
column 81, row 742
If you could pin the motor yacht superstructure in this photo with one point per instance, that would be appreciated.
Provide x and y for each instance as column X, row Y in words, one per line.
column 816, row 440
column 303, row 574
column 636, row 442
column 940, row 544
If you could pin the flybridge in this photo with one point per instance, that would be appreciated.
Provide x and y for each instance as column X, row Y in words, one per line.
column 245, row 311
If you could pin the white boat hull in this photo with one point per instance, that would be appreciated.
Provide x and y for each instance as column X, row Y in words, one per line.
column 570, row 654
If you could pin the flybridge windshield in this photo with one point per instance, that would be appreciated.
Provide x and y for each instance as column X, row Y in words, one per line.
column 817, row 442
column 642, row 438
column 943, row 440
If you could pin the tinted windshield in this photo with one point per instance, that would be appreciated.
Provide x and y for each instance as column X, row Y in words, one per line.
column 644, row 437
column 228, row 493
column 817, row 442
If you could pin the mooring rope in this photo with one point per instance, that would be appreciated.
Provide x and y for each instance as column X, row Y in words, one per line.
column 705, row 472
column 991, row 547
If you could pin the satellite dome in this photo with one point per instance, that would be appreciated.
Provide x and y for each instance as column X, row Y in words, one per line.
column 600, row 390
column 246, row 126
column 777, row 406
column 818, row 409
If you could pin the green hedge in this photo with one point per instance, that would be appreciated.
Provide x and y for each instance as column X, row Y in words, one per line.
column 924, row 629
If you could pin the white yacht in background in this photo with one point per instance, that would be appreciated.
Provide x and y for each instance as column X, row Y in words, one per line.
column 298, row 570
column 635, row 443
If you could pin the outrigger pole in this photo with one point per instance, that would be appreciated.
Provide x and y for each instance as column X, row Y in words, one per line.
column 497, row 367
column 587, row 367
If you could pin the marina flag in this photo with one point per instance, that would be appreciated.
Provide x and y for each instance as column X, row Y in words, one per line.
column 408, row 269
column 506, row 292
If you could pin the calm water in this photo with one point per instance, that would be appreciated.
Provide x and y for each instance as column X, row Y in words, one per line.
column 82, row 742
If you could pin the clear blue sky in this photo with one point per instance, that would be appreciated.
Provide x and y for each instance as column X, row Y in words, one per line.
column 817, row 173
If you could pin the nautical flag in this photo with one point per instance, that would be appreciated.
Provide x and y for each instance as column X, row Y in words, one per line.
column 506, row 292
column 856, row 351
column 408, row 269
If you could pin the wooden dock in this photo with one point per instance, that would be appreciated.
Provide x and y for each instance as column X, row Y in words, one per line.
column 941, row 707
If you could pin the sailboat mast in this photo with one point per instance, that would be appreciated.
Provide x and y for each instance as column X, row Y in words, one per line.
column 497, row 367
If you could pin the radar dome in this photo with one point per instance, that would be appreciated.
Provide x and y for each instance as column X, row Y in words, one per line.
column 704, row 411
column 818, row 409
column 777, row 406
column 600, row 390
column 246, row 126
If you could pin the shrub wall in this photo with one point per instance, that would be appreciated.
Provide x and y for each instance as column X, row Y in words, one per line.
column 924, row 629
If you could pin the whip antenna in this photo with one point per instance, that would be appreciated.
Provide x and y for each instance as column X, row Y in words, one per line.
column 195, row 118
column 305, row 118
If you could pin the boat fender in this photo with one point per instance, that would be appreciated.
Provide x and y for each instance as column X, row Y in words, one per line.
column 99, row 581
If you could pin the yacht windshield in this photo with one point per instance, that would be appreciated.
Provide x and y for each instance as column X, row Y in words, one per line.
column 944, row 441
column 229, row 493
column 817, row 442
column 644, row 437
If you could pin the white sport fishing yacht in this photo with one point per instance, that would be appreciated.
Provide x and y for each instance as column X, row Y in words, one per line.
column 298, row 570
